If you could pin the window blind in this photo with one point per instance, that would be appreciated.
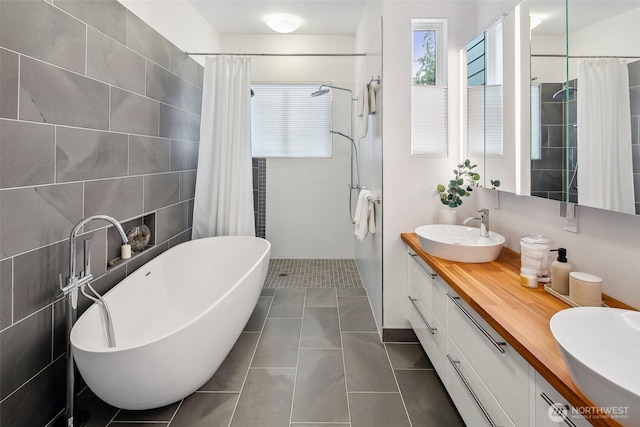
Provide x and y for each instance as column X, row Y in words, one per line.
column 484, row 121
column 536, row 123
column 287, row 122
column 429, row 135
column 493, row 121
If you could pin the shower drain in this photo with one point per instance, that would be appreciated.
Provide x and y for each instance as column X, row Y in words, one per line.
column 282, row 274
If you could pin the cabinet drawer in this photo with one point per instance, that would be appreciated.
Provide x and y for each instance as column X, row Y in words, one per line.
column 439, row 301
column 431, row 334
column 499, row 366
column 421, row 277
column 552, row 410
column 429, row 285
column 477, row 406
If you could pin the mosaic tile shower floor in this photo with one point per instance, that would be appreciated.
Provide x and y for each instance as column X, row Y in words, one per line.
column 313, row 273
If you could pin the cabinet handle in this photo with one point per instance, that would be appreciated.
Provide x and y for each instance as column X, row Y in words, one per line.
column 496, row 344
column 455, row 364
column 413, row 301
column 554, row 405
column 415, row 259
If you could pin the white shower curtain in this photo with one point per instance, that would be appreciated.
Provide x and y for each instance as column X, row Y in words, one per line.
column 605, row 169
column 224, row 186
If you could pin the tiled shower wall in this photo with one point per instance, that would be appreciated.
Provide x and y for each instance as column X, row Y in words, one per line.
column 260, row 195
column 99, row 114
column 548, row 175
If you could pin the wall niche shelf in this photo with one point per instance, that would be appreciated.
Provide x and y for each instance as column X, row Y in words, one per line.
column 114, row 242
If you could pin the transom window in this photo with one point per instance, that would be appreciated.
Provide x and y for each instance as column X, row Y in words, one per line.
column 429, row 136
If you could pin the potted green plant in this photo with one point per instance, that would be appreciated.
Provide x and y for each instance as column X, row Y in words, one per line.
column 460, row 186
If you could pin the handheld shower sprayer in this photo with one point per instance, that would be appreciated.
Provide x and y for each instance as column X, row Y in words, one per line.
column 352, row 185
column 341, row 134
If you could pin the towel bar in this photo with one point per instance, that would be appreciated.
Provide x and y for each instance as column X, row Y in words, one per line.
column 376, row 200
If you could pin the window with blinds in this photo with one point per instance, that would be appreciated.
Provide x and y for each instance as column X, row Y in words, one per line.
column 484, row 94
column 287, row 122
column 536, row 122
column 429, row 136
column 484, row 121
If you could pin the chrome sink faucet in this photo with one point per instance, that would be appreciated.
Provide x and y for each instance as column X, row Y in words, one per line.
column 484, row 221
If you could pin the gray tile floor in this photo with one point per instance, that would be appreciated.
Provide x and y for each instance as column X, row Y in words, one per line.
column 307, row 358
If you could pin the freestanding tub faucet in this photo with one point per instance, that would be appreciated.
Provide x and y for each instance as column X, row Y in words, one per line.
column 70, row 292
column 484, row 221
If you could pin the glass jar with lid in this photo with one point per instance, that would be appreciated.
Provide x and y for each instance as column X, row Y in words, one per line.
column 534, row 253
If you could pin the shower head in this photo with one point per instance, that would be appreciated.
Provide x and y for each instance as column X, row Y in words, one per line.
column 342, row 134
column 320, row 92
column 564, row 93
column 324, row 89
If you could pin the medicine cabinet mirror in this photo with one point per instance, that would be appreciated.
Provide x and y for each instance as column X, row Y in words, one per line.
column 578, row 139
column 585, row 102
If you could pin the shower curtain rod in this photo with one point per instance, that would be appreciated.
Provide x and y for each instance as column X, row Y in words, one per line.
column 274, row 54
column 559, row 55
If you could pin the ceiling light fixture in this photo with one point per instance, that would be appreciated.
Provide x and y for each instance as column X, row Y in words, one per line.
column 283, row 23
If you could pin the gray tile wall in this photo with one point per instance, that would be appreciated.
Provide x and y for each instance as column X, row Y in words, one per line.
column 549, row 172
column 98, row 114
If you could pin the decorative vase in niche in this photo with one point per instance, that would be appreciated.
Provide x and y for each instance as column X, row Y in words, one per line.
column 139, row 237
column 447, row 216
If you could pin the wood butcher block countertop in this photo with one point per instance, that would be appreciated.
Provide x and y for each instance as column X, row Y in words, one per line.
column 521, row 315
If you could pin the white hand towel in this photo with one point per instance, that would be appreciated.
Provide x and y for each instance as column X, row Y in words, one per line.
column 371, row 213
column 362, row 215
column 364, row 120
column 372, row 97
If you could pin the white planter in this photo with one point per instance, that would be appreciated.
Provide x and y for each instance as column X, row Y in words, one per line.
column 447, row 216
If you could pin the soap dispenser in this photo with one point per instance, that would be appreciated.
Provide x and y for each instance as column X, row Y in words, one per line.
column 560, row 270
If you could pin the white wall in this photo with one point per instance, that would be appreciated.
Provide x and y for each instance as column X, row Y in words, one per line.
column 369, row 252
column 619, row 35
column 307, row 212
column 607, row 244
column 488, row 12
column 410, row 197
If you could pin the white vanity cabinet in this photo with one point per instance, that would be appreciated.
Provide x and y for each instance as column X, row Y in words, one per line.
column 474, row 400
column 427, row 311
column 551, row 409
column 431, row 313
column 505, row 373
column 490, row 383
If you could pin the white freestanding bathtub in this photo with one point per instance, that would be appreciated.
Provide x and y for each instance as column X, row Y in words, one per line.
column 175, row 320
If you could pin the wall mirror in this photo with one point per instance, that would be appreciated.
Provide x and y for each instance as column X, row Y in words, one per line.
column 585, row 102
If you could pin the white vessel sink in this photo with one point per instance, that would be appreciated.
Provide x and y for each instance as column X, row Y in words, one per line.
column 459, row 243
column 601, row 347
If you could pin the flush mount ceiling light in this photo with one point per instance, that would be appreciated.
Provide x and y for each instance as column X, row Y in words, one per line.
column 283, row 23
